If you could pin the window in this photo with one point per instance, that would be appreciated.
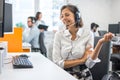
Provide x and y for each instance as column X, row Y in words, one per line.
column 22, row 9
column 51, row 11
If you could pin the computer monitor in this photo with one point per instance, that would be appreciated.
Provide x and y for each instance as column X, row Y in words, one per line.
column 8, row 26
column 114, row 28
column 102, row 32
column 2, row 17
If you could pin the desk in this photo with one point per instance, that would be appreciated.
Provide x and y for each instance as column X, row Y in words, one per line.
column 1, row 59
column 26, row 47
column 43, row 69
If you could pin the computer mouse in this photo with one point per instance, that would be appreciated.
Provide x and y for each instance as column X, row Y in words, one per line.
column 24, row 55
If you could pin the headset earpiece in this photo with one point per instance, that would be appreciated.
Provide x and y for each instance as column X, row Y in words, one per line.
column 77, row 16
column 33, row 20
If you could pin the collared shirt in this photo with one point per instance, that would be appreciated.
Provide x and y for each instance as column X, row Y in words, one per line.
column 31, row 36
column 66, row 49
column 95, row 33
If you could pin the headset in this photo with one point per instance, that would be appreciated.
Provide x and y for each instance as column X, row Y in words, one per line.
column 77, row 18
column 33, row 19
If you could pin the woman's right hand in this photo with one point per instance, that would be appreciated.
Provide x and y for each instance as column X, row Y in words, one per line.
column 106, row 37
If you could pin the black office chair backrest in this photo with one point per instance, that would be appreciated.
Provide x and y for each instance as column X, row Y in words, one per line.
column 43, row 49
column 102, row 68
column 102, row 32
column 115, row 58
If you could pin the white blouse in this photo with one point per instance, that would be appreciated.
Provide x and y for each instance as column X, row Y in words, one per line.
column 66, row 49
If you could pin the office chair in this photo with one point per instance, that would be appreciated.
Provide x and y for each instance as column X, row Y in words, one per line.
column 115, row 73
column 43, row 49
column 115, row 58
column 48, row 40
column 101, row 32
column 112, row 76
column 102, row 68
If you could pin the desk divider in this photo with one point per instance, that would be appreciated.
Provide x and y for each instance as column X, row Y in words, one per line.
column 14, row 40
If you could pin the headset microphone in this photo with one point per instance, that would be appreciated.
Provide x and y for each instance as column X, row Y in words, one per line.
column 77, row 19
column 72, row 24
column 76, row 22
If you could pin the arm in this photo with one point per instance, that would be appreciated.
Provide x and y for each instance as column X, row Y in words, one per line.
column 75, row 62
column 94, row 54
column 107, row 37
column 30, row 35
column 82, row 60
column 56, row 56
column 58, row 59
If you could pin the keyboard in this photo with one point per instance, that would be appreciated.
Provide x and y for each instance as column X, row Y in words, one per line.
column 21, row 62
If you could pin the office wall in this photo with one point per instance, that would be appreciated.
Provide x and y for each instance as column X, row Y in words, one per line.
column 94, row 11
column 102, row 12
column 21, row 10
column 115, row 11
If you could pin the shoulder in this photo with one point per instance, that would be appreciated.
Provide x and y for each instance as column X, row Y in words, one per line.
column 35, row 30
column 58, row 33
column 87, row 32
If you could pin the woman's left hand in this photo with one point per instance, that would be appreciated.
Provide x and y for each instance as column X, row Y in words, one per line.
column 107, row 37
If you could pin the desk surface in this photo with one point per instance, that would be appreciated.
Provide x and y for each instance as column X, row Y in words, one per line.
column 43, row 69
column 116, row 43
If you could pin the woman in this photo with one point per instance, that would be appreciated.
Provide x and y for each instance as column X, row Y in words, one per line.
column 73, row 47
column 38, row 19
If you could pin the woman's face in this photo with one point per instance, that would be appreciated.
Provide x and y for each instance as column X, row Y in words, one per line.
column 40, row 16
column 67, row 17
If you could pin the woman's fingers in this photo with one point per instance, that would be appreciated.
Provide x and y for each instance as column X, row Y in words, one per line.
column 108, row 36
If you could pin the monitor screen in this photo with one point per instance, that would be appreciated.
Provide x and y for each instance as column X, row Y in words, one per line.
column 8, row 27
column 114, row 28
column 1, row 17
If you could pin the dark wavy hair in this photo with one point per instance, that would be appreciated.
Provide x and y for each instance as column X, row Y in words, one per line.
column 32, row 19
column 74, row 10
column 37, row 15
